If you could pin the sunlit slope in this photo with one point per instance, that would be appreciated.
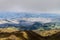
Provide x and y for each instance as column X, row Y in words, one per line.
column 47, row 32
column 14, row 34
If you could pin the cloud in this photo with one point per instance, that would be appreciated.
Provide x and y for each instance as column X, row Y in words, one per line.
column 30, row 5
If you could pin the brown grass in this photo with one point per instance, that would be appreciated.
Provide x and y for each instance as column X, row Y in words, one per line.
column 14, row 34
column 47, row 32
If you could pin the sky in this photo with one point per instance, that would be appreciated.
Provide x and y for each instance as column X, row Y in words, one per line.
column 48, row 6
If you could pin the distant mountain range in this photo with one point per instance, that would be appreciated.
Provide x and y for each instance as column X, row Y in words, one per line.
column 27, row 15
column 29, row 21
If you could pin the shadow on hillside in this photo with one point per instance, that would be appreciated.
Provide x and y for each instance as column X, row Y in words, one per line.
column 54, row 37
column 31, row 36
column 17, row 34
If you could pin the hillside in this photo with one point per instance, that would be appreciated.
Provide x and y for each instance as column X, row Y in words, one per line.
column 14, row 34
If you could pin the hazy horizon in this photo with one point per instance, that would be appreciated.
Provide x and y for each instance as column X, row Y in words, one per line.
column 35, row 6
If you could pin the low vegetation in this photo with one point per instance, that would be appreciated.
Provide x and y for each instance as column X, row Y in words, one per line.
column 15, row 34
